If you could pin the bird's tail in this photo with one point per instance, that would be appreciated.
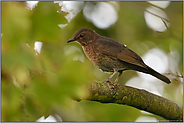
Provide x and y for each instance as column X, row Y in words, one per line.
column 156, row 74
column 159, row 76
column 148, row 70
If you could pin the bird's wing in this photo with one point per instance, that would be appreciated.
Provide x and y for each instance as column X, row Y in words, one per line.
column 119, row 51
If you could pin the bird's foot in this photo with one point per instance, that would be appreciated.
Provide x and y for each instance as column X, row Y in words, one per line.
column 107, row 80
column 111, row 83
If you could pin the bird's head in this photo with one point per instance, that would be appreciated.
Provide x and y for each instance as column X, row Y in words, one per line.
column 84, row 36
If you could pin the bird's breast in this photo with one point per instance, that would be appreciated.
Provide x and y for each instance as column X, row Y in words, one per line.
column 90, row 53
column 102, row 61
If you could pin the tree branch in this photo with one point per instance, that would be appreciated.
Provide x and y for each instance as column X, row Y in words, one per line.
column 138, row 98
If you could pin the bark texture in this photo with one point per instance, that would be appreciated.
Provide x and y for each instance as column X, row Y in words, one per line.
column 138, row 98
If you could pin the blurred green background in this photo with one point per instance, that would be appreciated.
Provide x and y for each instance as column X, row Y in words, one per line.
column 39, row 85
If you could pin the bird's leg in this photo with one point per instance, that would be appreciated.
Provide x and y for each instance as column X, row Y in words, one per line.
column 108, row 79
column 120, row 73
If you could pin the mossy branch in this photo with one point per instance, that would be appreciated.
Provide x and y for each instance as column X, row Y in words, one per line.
column 138, row 98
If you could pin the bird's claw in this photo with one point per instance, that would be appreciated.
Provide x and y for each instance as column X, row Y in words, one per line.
column 111, row 83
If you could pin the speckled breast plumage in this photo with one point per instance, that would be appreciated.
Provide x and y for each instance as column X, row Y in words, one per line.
column 102, row 61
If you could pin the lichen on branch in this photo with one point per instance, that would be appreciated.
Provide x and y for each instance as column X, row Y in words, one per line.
column 138, row 98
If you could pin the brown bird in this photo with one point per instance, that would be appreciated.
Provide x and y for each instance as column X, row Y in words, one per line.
column 110, row 55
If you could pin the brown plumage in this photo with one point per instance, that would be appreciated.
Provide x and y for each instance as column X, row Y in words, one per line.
column 110, row 55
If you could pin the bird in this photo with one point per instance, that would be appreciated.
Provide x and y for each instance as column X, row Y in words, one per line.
column 111, row 56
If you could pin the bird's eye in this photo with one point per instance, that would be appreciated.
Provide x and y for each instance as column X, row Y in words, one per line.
column 81, row 35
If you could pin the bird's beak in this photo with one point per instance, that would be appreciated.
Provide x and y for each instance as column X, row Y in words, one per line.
column 71, row 40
